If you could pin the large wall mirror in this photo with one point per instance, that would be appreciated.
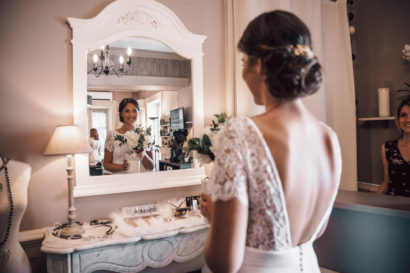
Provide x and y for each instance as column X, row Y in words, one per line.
column 137, row 49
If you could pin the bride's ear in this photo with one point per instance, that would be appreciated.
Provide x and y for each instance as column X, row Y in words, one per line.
column 258, row 66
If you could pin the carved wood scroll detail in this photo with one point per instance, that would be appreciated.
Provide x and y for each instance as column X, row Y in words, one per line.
column 139, row 17
column 131, row 257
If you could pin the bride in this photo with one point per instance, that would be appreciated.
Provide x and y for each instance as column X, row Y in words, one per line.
column 276, row 174
column 120, row 158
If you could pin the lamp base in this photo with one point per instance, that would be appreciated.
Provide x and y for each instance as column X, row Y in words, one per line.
column 71, row 230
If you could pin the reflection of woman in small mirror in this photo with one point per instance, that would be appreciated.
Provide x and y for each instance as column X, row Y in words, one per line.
column 95, row 155
column 116, row 155
column 396, row 156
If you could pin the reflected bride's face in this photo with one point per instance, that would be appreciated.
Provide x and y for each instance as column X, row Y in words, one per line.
column 129, row 114
column 404, row 119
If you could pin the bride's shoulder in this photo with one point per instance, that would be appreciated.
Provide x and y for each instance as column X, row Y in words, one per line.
column 237, row 125
column 238, row 122
column 332, row 144
column 328, row 132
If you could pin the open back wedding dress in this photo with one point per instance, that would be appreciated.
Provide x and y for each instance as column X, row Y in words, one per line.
column 246, row 170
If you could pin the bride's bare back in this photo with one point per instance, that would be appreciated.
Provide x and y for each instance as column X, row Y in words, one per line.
column 279, row 68
column 307, row 157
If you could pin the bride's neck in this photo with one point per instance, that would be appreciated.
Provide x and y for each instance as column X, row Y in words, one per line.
column 126, row 127
column 274, row 104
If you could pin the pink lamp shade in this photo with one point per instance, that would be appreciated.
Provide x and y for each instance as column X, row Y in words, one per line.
column 67, row 139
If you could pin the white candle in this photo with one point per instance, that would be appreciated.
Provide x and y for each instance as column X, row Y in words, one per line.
column 384, row 102
column 70, row 161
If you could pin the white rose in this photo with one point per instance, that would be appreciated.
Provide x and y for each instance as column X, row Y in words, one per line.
column 132, row 139
column 214, row 136
column 207, row 130
column 202, row 159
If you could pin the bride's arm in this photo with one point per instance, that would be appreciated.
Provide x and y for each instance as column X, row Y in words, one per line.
column 225, row 247
column 148, row 161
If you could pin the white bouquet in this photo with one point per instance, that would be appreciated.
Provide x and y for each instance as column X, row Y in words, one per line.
column 138, row 139
column 204, row 149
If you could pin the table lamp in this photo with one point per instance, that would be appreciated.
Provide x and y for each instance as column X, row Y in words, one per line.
column 69, row 140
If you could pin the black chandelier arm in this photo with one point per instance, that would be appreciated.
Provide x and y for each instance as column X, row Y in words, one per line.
column 99, row 73
column 104, row 66
column 93, row 68
column 129, row 62
column 118, row 70
column 113, row 68
column 122, row 70
column 106, row 70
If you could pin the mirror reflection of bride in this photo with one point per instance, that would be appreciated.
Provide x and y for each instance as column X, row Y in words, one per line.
column 120, row 157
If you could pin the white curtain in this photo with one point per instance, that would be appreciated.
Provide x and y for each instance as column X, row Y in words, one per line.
column 334, row 103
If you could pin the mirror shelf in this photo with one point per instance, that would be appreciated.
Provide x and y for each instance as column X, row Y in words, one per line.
column 123, row 19
column 146, row 181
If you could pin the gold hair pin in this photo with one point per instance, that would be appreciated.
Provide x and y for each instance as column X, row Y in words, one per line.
column 302, row 50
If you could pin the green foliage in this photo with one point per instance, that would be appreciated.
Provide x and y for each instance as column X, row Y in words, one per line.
column 121, row 139
column 222, row 117
column 139, row 129
column 140, row 146
column 177, row 143
column 201, row 145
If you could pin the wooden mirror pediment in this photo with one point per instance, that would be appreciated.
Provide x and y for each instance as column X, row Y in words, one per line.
column 124, row 19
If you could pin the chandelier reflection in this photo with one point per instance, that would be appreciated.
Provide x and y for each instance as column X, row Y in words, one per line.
column 102, row 63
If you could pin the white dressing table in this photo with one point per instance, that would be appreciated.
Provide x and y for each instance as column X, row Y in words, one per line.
column 121, row 253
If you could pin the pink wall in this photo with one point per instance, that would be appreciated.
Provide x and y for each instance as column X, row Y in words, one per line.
column 36, row 95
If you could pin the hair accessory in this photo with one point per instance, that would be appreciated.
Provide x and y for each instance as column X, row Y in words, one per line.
column 302, row 50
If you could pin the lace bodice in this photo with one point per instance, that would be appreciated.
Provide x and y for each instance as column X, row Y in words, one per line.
column 123, row 151
column 120, row 151
column 244, row 168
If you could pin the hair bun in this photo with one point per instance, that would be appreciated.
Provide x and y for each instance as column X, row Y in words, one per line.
column 289, row 76
column 283, row 43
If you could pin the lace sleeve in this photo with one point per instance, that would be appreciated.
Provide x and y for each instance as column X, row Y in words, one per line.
column 229, row 176
column 109, row 141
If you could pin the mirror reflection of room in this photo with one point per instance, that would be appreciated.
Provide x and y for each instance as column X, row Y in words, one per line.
column 158, row 80
column 395, row 155
column 380, row 73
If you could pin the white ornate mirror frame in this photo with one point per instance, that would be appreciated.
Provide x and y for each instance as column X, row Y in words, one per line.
column 133, row 18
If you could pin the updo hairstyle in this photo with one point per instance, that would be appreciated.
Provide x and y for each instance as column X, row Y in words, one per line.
column 124, row 102
column 282, row 42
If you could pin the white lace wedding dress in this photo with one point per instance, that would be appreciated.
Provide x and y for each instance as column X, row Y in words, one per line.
column 246, row 170
column 121, row 151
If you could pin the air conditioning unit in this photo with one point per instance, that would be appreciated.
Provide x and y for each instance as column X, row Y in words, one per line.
column 100, row 96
